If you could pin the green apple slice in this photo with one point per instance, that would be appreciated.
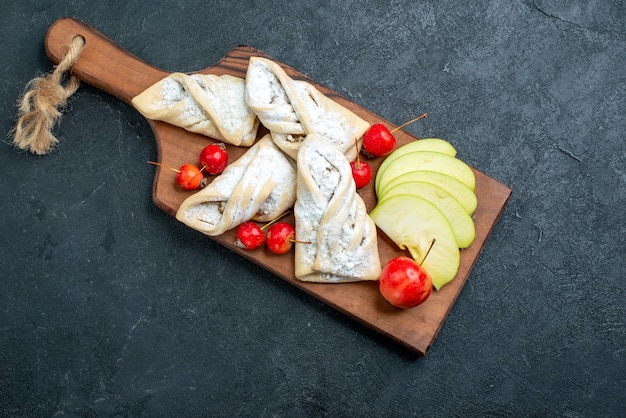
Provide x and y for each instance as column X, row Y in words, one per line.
column 413, row 223
column 424, row 144
column 426, row 160
column 427, row 144
column 461, row 223
column 460, row 191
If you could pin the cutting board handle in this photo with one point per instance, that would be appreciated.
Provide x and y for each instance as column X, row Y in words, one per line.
column 101, row 63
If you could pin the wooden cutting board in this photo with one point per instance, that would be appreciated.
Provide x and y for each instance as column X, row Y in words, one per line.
column 108, row 67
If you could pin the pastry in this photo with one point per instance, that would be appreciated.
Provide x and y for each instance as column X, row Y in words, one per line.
column 259, row 186
column 202, row 103
column 292, row 109
column 336, row 238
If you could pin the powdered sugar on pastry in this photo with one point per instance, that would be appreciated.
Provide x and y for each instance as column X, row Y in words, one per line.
column 341, row 242
column 292, row 109
column 260, row 185
column 202, row 103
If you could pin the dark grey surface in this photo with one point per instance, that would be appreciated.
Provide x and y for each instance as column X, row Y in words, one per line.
column 109, row 307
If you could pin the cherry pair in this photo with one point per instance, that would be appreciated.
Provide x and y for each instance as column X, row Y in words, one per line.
column 213, row 160
column 279, row 239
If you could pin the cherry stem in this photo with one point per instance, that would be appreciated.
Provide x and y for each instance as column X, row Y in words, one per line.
column 275, row 220
column 358, row 158
column 163, row 165
column 299, row 242
column 424, row 116
column 196, row 175
column 428, row 252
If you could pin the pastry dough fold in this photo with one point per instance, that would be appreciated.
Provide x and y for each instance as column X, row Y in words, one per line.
column 337, row 239
column 260, row 186
column 292, row 109
column 207, row 104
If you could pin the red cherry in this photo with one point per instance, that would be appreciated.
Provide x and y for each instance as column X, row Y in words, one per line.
column 404, row 283
column 378, row 141
column 189, row 177
column 214, row 157
column 249, row 236
column 361, row 173
column 280, row 238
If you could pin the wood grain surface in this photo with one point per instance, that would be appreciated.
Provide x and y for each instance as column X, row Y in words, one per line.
column 108, row 67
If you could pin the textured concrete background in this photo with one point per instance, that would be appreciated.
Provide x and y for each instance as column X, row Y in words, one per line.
column 109, row 307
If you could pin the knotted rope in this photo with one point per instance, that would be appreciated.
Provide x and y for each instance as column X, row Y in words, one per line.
column 38, row 108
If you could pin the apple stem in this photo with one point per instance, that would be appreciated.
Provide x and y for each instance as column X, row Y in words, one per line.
column 432, row 243
column 163, row 165
column 275, row 220
column 424, row 116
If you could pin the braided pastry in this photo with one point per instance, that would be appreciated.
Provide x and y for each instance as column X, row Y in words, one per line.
column 207, row 104
column 336, row 238
column 260, row 185
column 292, row 109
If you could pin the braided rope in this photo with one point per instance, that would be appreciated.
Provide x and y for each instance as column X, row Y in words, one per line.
column 38, row 108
